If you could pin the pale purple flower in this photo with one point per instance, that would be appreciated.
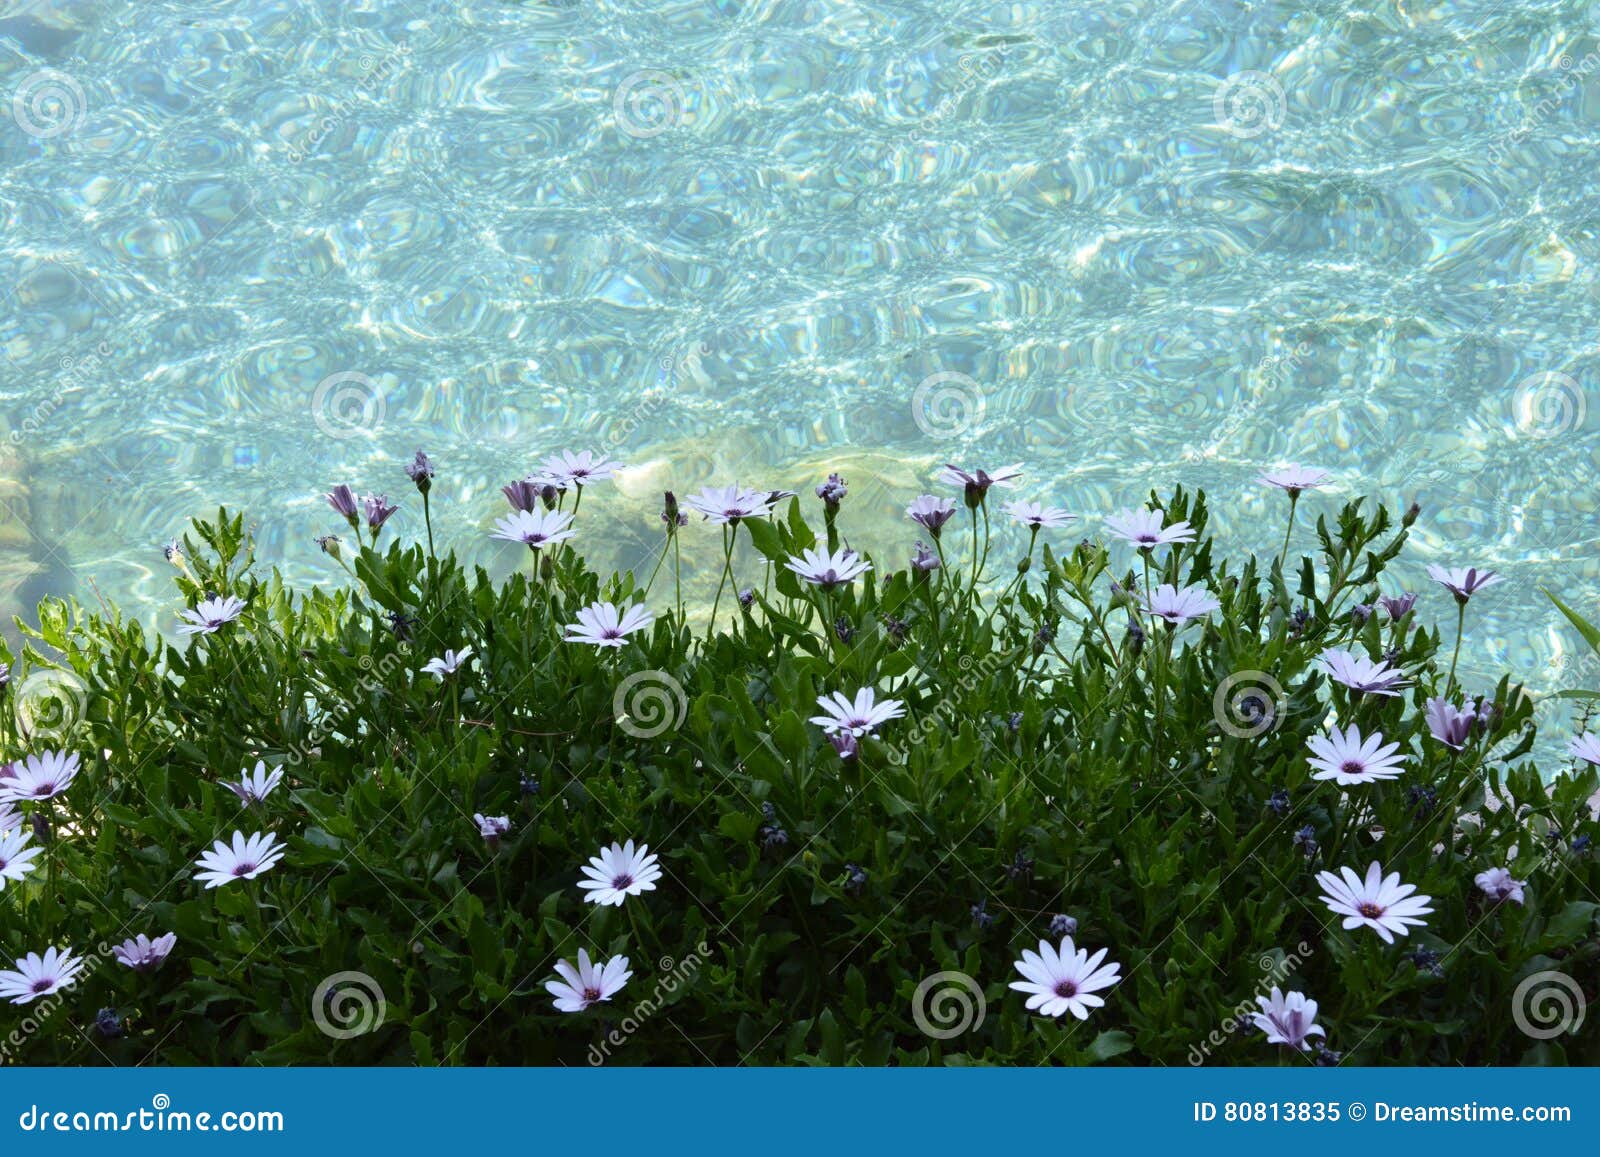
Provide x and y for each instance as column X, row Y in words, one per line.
column 587, row 984
column 211, row 615
column 975, row 483
column 420, row 470
column 618, row 872
column 491, row 828
column 924, row 560
column 38, row 976
column 343, row 501
column 10, row 817
column 1399, row 605
column 1449, row 726
column 523, row 494
column 607, row 625
column 448, row 663
column 1295, row 479
column 41, row 776
column 5, row 675
column 1177, row 606
column 1145, row 529
column 931, row 513
column 16, row 857
column 828, row 570
column 1287, row 1019
column 833, row 491
column 243, row 860
column 1379, row 902
column 1586, row 747
column 577, row 469
column 1360, row 673
column 1499, row 885
column 1348, row 759
column 256, row 785
column 862, row 717
column 1064, row 979
column 1036, row 517
column 1463, row 582
column 728, row 504
column 534, row 528
column 378, row 509
column 846, row 744
column 143, row 954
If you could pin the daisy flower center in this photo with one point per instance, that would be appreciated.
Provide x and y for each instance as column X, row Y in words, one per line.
column 1067, row 988
column 623, row 881
column 1370, row 910
column 1352, row 767
column 243, row 868
column 43, row 985
column 590, row 995
column 44, row 789
column 1149, row 538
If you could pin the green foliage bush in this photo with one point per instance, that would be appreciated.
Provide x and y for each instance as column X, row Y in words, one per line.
column 1051, row 761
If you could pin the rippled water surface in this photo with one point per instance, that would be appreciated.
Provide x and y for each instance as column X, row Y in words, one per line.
column 254, row 248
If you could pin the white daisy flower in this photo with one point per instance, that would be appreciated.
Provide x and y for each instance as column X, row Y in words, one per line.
column 1038, row 517
column 1294, row 479
column 608, row 625
column 1288, row 1019
column 931, row 513
column 448, row 663
column 619, row 872
column 1065, row 979
column 38, row 976
column 535, row 529
column 143, row 954
column 212, row 615
column 1348, row 759
column 975, row 483
column 1499, row 885
column 828, row 570
column 1586, row 747
column 1360, row 673
column 16, row 857
column 862, row 717
column 728, row 504
column 576, row 469
column 39, row 776
column 1144, row 529
column 587, row 984
column 244, row 860
column 1379, row 902
column 1463, row 582
column 1177, row 607
column 10, row 817
column 256, row 785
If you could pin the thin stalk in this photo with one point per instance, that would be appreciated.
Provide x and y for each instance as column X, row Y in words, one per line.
column 1461, row 618
column 727, row 573
column 1294, row 500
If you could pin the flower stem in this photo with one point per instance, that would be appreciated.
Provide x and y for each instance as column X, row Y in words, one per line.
column 1461, row 618
column 727, row 572
column 1294, row 500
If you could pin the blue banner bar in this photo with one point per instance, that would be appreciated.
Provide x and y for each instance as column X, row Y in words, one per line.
column 768, row 1111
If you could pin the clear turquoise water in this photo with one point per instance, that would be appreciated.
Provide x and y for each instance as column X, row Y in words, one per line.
column 252, row 249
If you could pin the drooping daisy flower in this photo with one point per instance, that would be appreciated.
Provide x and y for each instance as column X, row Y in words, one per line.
column 1144, row 529
column 1586, row 747
column 143, row 954
column 728, row 504
column 975, row 483
column 1288, row 1019
column 1294, row 479
column 343, row 501
column 491, row 828
column 212, row 615
column 38, row 976
column 534, row 528
column 619, row 872
column 828, row 570
column 378, row 508
column 577, row 469
column 607, row 625
column 931, row 513
column 587, row 984
column 1398, row 605
column 1449, row 726
column 862, row 717
column 1348, row 759
column 1036, row 517
column 1065, row 979
column 16, row 857
column 244, row 860
column 256, row 785
column 1359, row 673
column 1177, row 607
column 1379, row 902
column 1499, row 885
column 448, row 663
column 1463, row 582
column 41, row 776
